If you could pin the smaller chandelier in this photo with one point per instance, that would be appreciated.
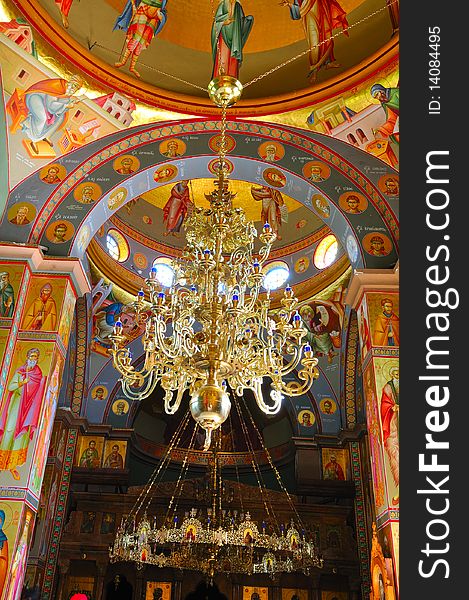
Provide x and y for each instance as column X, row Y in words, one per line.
column 213, row 331
column 216, row 537
column 236, row 545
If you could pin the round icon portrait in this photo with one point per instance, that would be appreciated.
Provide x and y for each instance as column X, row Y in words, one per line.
column 172, row 148
column 147, row 220
column 271, row 151
column 83, row 237
column 140, row 260
column 353, row 203
column 302, row 264
column 306, row 418
column 351, row 247
column 60, row 232
column 99, row 393
column 321, row 206
column 53, row 174
column 87, row 192
column 117, row 198
column 377, row 244
column 165, row 173
column 301, row 223
column 328, row 406
column 316, row 171
column 120, row 407
column 214, row 166
column 389, row 185
column 22, row 213
column 214, row 143
column 274, row 177
column 126, row 165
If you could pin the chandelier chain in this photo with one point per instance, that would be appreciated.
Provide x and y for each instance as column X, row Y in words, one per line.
column 257, row 472
column 319, row 44
column 266, row 73
column 182, row 474
column 273, row 467
column 154, row 476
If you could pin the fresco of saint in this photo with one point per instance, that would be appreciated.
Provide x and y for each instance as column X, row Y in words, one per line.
column 230, row 31
column 274, row 210
column 176, row 208
column 90, row 456
column 7, row 295
column 45, row 105
column 64, row 7
column 320, row 18
column 389, row 98
column 142, row 20
column 42, row 312
column 390, row 423
column 19, row 415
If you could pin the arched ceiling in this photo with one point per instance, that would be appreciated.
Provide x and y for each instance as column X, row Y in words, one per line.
column 175, row 68
column 343, row 170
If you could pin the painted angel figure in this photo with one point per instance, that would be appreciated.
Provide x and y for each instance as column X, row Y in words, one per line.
column 320, row 18
column 142, row 20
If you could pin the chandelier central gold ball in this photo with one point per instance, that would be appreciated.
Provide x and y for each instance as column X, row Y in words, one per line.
column 225, row 90
column 210, row 407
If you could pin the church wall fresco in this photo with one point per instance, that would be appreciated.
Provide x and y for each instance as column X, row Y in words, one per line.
column 75, row 120
column 61, row 228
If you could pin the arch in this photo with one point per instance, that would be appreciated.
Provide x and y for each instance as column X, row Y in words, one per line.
column 343, row 169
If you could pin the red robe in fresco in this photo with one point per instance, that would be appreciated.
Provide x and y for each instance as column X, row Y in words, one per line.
column 175, row 209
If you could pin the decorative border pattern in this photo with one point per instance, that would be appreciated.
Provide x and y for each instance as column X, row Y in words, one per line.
column 297, row 140
column 80, row 361
column 351, row 371
column 360, row 520
column 60, row 511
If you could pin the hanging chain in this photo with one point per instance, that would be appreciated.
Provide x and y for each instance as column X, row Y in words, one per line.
column 270, row 71
column 154, row 476
column 182, row 475
column 240, row 496
column 274, row 468
column 321, row 43
column 257, row 472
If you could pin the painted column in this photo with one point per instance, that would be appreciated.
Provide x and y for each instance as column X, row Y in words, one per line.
column 375, row 296
column 37, row 300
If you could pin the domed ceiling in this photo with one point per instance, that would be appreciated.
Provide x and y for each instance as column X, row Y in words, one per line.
column 167, row 47
column 142, row 230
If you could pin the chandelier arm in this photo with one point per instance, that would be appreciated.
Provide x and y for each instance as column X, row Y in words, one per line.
column 150, row 383
column 307, row 375
column 258, row 395
column 295, row 352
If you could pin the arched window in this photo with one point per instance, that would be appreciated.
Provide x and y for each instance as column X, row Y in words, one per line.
column 361, row 136
column 117, row 245
column 352, row 139
column 164, row 271
column 275, row 275
column 326, row 252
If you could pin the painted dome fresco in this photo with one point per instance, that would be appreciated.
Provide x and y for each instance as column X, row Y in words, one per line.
column 286, row 53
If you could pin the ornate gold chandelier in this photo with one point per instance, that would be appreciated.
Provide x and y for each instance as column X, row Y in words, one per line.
column 212, row 330
column 215, row 537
